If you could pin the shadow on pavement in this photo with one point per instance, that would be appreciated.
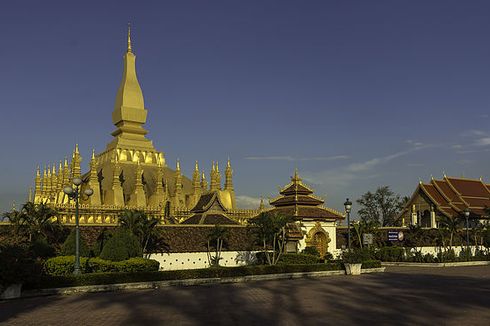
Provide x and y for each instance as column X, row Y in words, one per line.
column 401, row 298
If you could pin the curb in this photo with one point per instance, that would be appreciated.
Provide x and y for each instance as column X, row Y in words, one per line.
column 187, row 282
column 436, row 265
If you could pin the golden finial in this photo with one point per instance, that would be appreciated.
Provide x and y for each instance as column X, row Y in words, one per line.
column 60, row 167
column 38, row 171
column 213, row 169
column 93, row 154
column 54, row 168
column 178, row 165
column 217, row 167
column 196, row 167
column 66, row 162
column 30, row 194
column 203, row 176
column 129, row 38
column 228, row 164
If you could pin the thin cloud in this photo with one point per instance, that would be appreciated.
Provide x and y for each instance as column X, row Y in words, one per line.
column 244, row 201
column 344, row 176
column 484, row 141
column 294, row 159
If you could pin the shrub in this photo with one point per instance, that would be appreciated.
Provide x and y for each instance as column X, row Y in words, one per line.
column 295, row 259
column 311, row 251
column 64, row 265
column 68, row 248
column 137, row 264
column 446, row 256
column 122, row 246
column 17, row 265
column 115, row 278
column 41, row 248
column 371, row 263
column 390, row 254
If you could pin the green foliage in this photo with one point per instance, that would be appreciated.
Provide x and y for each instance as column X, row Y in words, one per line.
column 33, row 221
column 301, row 259
column 41, row 248
column 141, row 226
column 390, row 254
column 122, row 246
column 64, row 265
column 115, row 278
column 270, row 232
column 381, row 207
column 216, row 240
column 354, row 256
column 17, row 265
column 371, row 264
column 311, row 251
column 68, row 247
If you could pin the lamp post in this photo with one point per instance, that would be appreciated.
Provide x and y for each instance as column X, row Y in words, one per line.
column 348, row 207
column 467, row 216
column 74, row 193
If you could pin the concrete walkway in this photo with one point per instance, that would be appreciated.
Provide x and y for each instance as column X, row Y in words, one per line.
column 401, row 296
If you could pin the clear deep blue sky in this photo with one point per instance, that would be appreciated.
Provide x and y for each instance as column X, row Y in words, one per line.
column 356, row 94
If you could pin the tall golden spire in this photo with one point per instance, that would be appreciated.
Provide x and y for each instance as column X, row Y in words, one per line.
column 228, row 176
column 129, row 38
column 129, row 113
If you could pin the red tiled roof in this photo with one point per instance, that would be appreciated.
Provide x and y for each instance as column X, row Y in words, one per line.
column 446, row 190
column 299, row 199
column 467, row 187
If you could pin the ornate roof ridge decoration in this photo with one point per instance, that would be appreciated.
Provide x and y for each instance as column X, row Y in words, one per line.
column 301, row 202
column 450, row 205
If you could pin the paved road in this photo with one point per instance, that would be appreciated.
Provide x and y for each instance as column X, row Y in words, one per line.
column 400, row 296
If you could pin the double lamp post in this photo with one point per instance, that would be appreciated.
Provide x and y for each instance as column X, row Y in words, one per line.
column 74, row 193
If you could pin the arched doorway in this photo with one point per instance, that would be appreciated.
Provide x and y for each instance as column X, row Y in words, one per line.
column 320, row 242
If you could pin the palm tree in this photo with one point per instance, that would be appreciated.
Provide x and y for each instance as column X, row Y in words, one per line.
column 216, row 239
column 140, row 224
column 451, row 225
column 34, row 220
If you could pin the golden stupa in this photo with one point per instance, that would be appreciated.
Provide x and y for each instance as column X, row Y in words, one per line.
column 131, row 173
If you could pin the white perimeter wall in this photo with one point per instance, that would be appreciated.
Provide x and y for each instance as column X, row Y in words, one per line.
column 194, row 260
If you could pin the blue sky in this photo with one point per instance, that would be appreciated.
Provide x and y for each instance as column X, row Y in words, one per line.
column 356, row 94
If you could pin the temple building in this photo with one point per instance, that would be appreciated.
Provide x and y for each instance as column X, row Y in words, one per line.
column 131, row 172
column 448, row 197
column 314, row 224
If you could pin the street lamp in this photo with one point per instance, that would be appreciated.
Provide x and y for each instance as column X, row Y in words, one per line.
column 467, row 216
column 348, row 207
column 74, row 193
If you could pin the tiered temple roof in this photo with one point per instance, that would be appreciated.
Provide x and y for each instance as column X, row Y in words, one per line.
column 296, row 199
column 451, row 196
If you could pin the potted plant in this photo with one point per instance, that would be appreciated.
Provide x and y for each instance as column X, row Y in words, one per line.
column 352, row 260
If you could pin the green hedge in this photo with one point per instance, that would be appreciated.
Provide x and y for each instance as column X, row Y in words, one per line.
column 121, row 246
column 299, row 259
column 116, row 278
column 64, row 265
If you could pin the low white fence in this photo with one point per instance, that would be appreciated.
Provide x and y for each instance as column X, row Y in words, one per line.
column 194, row 260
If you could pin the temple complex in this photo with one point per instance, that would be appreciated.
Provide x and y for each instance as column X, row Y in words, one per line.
column 448, row 197
column 132, row 173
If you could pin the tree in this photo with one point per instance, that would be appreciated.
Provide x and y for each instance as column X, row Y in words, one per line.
column 140, row 225
column 121, row 246
column 34, row 220
column 69, row 246
column 270, row 232
column 451, row 225
column 216, row 240
column 381, row 207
